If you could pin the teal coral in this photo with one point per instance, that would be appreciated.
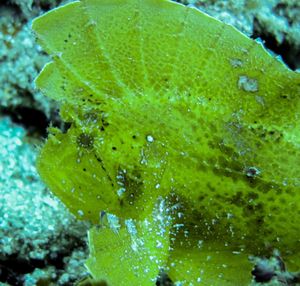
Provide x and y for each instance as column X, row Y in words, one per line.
column 165, row 110
column 21, row 58
column 34, row 226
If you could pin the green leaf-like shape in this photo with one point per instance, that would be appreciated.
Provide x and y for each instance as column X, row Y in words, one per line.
column 164, row 100
column 131, row 255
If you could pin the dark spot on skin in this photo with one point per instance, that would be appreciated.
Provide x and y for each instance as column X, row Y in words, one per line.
column 252, row 196
column 104, row 169
column 252, row 172
column 114, row 148
column 217, row 171
column 164, row 280
column 238, row 199
column 104, row 122
column 264, row 187
column 227, row 173
column 210, row 187
column 284, row 96
column 84, row 169
column 98, row 159
column 85, row 140
column 259, row 220
column 201, row 198
column 201, row 167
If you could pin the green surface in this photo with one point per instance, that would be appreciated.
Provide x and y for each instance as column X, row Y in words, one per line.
column 165, row 101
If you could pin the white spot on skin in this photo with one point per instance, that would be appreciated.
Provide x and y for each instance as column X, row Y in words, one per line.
column 113, row 222
column 200, row 243
column 131, row 227
column 247, row 84
column 80, row 213
column 260, row 100
column 159, row 244
column 121, row 191
column 149, row 138
column 236, row 63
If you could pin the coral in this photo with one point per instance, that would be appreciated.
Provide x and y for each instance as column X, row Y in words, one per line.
column 178, row 119
column 32, row 8
column 35, row 228
column 21, row 59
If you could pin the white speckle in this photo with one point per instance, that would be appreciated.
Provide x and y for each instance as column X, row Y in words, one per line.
column 236, row 63
column 260, row 100
column 80, row 212
column 229, row 215
column 200, row 243
column 149, row 138
column 91, row 23
column 113, row 221
column 236, row 252
column 180, row 215
column 247, row 84
column 159, row 244
column 58, row 54
column 131, row 227
column 143, row 160
column 121, row 191
column 134, row 246
column 157, row 186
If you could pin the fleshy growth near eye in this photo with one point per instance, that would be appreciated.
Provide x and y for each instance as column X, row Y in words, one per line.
column 183, row 128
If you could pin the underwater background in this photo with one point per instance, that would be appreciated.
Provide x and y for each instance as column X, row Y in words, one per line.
column 41, row 243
